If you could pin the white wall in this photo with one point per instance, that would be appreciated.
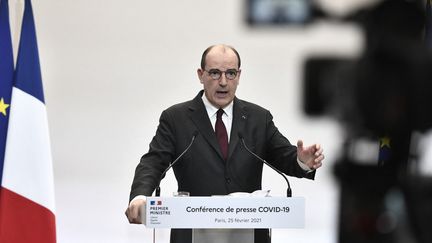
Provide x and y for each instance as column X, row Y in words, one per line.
column 110, row 67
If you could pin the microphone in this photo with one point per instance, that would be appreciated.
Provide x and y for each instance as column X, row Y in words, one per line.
column 194, row 134
column 289, row 192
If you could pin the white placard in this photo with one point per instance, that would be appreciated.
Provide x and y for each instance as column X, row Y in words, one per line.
column 224, row 212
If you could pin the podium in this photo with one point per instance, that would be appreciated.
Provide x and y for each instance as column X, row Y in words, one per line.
column 223, row 219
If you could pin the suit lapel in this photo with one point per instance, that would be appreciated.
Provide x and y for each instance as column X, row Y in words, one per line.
column 239, row 120
column 199, row 117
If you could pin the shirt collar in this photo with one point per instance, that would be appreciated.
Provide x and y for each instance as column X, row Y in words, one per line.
column 211, row 109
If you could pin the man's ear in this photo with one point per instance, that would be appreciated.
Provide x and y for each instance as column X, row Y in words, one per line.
column 200, row 73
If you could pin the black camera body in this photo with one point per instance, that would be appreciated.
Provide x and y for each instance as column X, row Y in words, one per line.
column 387, row 92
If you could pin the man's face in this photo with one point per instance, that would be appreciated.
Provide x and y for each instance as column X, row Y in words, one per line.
column 220, row 92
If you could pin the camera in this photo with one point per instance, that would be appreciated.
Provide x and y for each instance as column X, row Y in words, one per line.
column 385, row 92
column 385, row 89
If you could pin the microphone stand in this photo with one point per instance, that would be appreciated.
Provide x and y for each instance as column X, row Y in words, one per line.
column 158, row 189
column 289, row 192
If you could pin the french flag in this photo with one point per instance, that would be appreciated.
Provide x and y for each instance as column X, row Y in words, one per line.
column 27, row 212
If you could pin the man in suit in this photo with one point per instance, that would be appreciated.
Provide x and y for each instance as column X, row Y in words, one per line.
column 217, row 163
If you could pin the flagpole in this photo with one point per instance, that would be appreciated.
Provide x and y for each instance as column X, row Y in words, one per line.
column 16, row 16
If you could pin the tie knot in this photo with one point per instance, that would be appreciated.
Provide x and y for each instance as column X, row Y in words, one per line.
column 219, row 113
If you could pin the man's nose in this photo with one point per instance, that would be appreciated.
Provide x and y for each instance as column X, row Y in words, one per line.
column 223, row 81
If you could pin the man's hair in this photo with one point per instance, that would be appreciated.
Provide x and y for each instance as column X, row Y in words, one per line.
column 204, row 55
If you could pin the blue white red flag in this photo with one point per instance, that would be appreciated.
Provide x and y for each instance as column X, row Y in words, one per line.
column 27, row 212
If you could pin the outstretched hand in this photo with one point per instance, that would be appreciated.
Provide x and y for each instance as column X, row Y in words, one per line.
column 311, row 156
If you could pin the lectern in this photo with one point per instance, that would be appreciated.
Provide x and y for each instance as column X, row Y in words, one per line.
column 224, row 219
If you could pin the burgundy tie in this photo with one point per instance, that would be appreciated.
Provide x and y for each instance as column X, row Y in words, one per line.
column 221, row 134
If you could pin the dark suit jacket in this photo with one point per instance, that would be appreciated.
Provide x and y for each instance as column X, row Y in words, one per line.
column 202, row 171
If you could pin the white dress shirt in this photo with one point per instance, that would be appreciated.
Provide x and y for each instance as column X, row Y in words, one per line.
column 227, row 117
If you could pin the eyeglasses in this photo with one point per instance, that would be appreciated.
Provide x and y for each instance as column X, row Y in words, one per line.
column 216, row 74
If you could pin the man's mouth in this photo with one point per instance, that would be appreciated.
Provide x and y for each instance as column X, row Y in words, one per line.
column 221, row 92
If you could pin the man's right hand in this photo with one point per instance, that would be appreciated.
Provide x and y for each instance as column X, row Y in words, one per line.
column 133, row 212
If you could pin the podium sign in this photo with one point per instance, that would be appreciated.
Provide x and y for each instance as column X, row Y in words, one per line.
column 224, row 212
